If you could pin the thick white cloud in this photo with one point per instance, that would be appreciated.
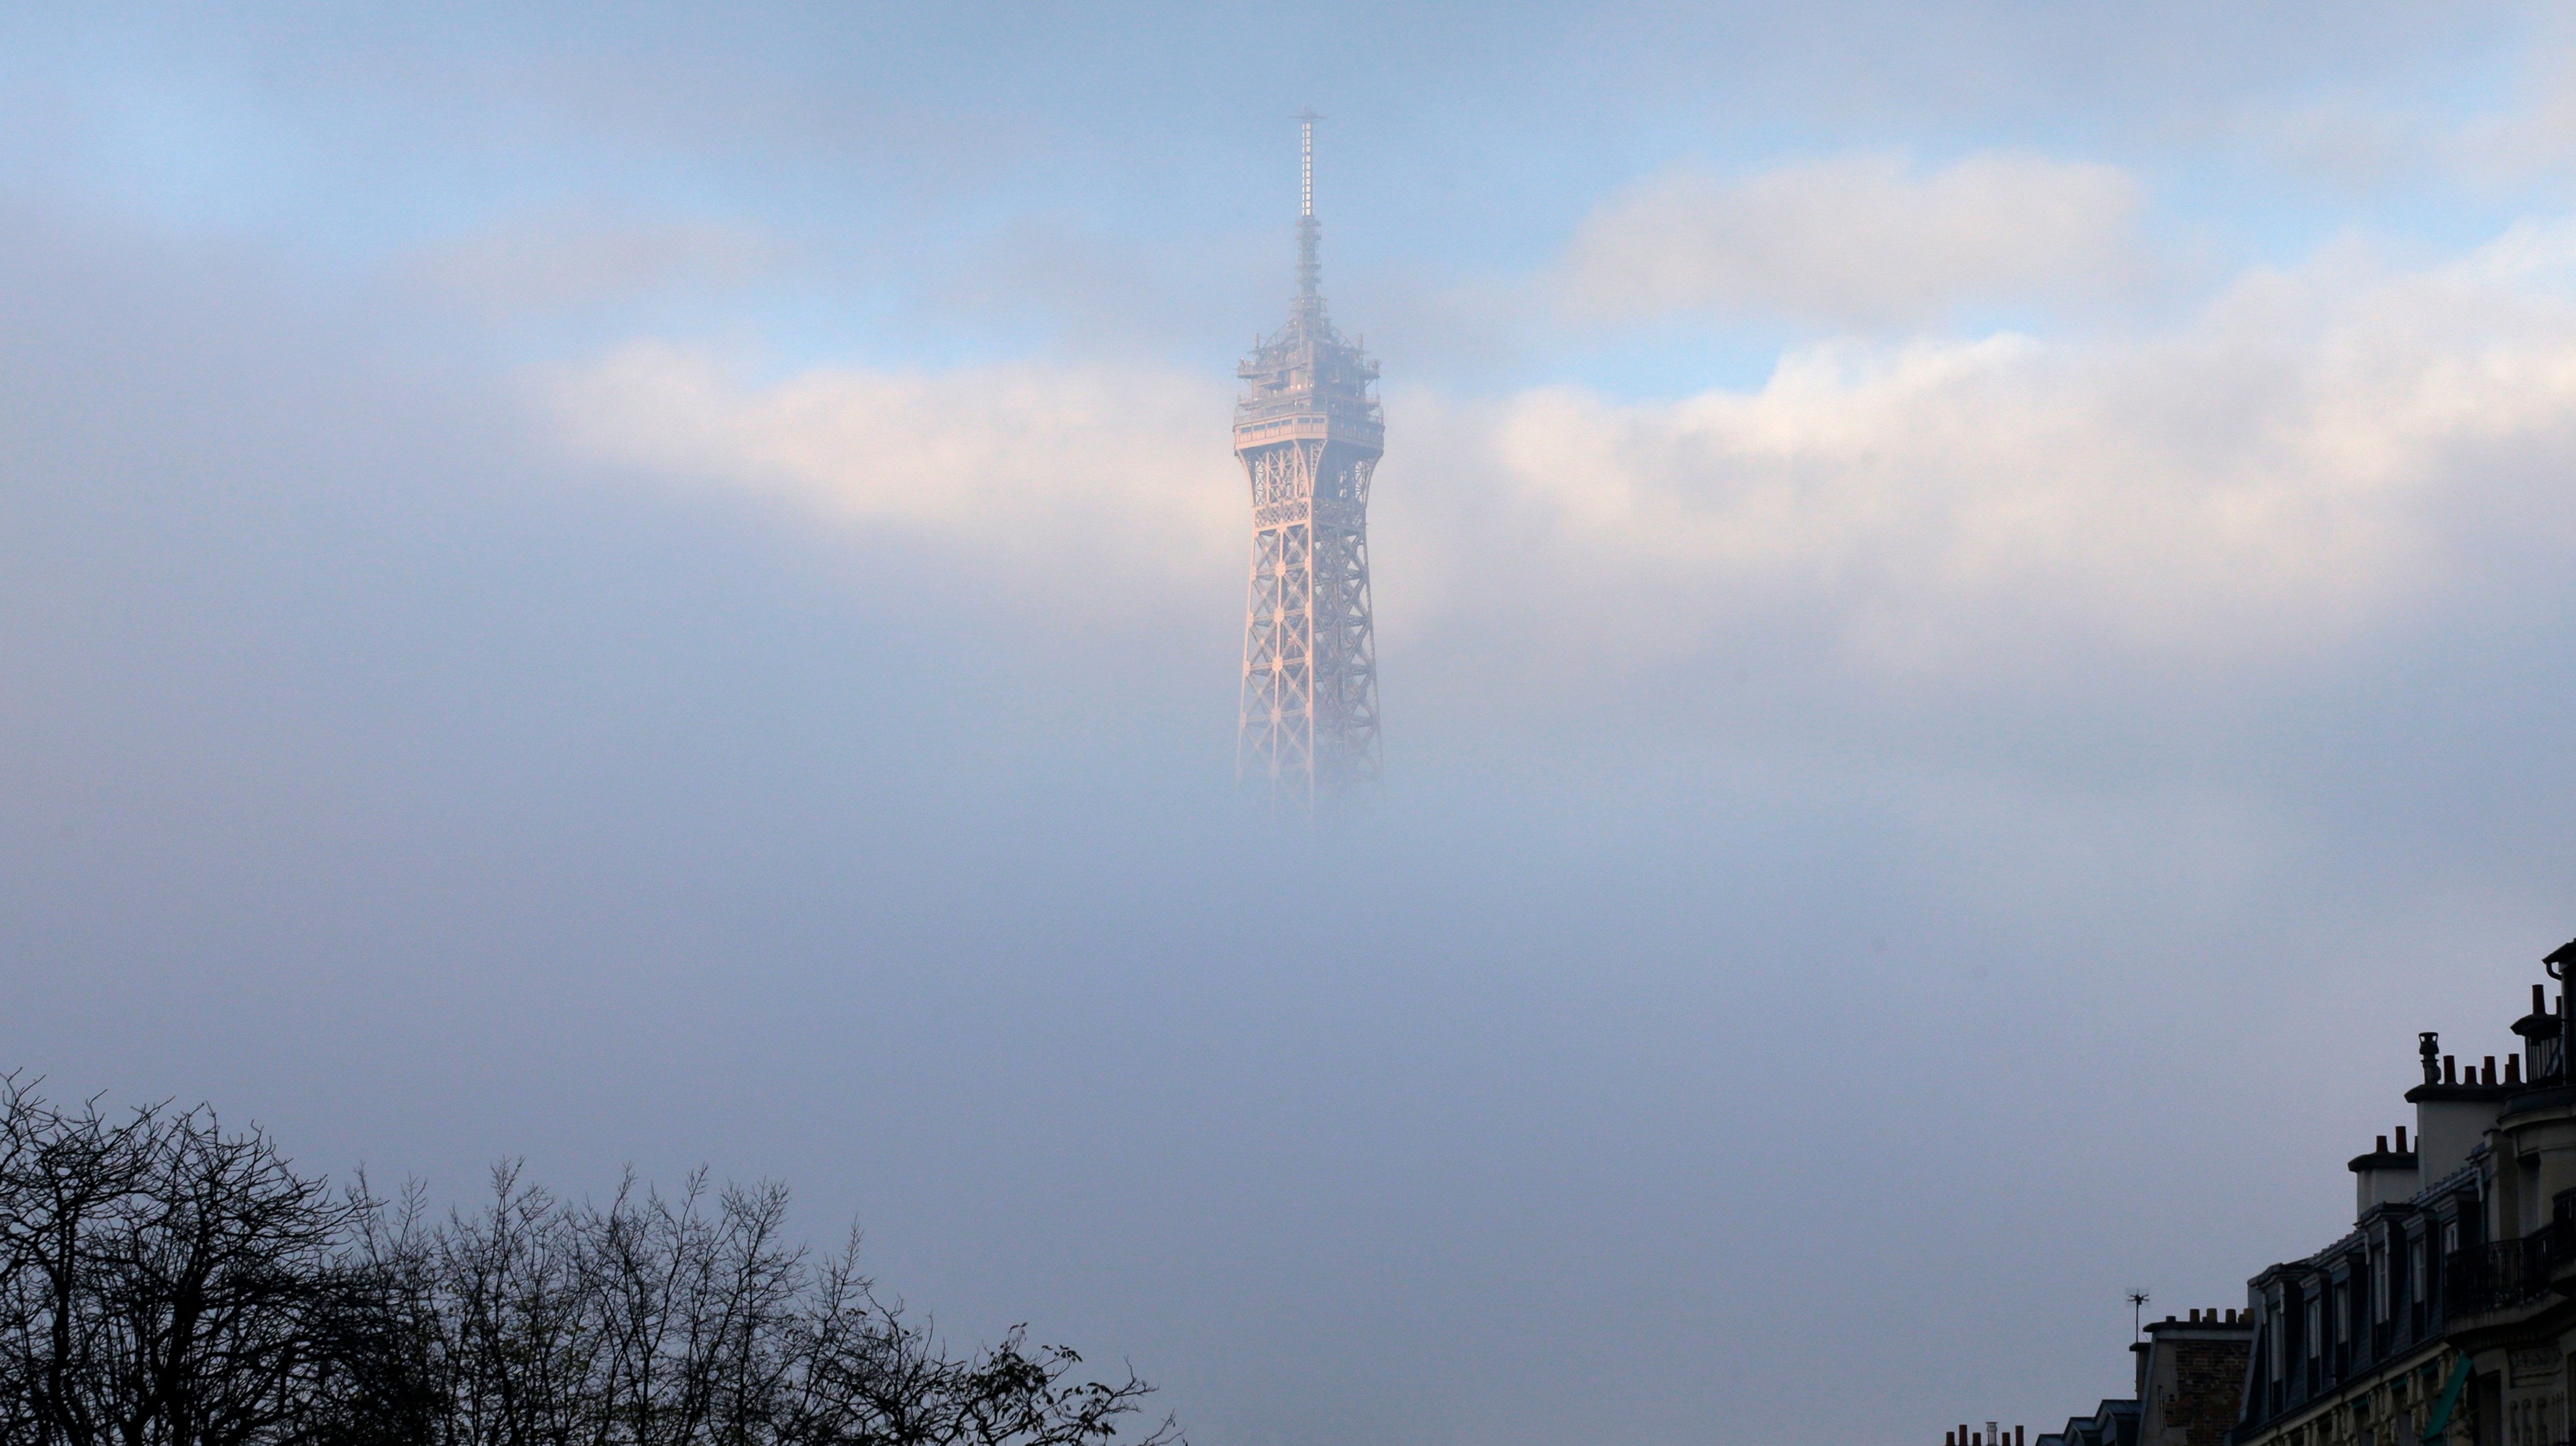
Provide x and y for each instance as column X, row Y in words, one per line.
column 2291, row 465
column 2282, row 472
column 1115, row 475
column 1856, row 240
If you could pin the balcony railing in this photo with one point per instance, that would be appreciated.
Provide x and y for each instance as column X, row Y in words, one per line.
column 2506, row 1273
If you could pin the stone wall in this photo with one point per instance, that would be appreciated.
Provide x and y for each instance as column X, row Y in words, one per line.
column 2208, row 1387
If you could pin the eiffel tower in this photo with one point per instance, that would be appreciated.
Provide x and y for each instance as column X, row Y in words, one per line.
column 1309, row 434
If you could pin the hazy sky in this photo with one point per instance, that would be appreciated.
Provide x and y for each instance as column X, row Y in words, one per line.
column 1974, row 611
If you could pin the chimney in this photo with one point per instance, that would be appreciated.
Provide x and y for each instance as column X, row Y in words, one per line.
column 2513, row 1069
column 2401, row 1140
column 2539, row 999
column 2017, row 1436
column 2446, row 1070
column 2383, row 1144
column 2486, row 1076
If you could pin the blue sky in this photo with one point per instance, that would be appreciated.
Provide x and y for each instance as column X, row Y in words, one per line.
column 1972, row 605
column 887, row 163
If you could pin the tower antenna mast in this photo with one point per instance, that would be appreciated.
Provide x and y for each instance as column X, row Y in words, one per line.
column 1306, row 160
column 1310, row 234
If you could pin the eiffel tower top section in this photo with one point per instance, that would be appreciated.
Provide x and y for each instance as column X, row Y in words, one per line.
column 1305, row 382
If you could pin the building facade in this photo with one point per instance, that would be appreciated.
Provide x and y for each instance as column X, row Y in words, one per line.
column 2445, row 1315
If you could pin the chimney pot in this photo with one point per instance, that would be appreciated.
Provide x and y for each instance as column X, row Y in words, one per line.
column 2017, row 1436
column 2540, row 999
column 2486, row 1075
column 2401, row 1140
column 2383, row 1144
column 2513, row 1069
column 2446, row 1069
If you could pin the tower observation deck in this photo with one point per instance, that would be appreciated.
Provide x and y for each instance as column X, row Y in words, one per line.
column 1309, row 434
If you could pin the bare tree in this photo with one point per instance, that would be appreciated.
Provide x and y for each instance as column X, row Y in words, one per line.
column 658, row 1321
column 867, row 1376
column 165, row 1283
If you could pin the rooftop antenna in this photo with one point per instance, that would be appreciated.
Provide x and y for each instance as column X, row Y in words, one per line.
column 2137, row 1316
column 1310, row 265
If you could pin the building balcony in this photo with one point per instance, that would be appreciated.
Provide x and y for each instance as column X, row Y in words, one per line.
column 2507, row 1276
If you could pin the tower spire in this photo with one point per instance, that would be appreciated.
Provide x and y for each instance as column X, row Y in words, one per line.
column 1310, row 233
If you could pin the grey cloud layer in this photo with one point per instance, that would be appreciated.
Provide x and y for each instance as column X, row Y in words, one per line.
column 1859, row 240
column 569, row 258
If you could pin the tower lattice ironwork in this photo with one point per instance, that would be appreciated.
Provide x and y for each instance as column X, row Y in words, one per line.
column 1310, row 435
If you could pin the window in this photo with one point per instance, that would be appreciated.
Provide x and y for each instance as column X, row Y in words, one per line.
column 2316, row 1326
column 2415, row 1267
column 2379, row 1286
column 2450, row 1238
column 2339, row 1359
